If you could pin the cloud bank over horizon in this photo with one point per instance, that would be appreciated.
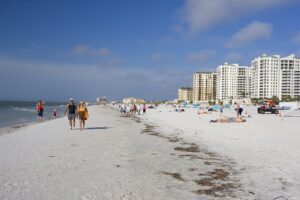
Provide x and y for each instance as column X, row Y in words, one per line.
column 125, row 49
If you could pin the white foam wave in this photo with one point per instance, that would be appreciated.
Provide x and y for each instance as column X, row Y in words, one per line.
column 24, row 109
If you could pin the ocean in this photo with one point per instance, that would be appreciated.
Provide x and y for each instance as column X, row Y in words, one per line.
column 20, row 112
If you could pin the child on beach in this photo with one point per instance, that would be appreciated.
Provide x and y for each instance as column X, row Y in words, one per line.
column 54, row 114
column 144, row 108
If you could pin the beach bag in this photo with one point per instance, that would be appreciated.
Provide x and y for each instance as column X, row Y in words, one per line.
column 86, row 115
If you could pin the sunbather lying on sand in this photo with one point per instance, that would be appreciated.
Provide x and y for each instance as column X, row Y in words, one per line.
column 204, row 112
column 228, row 120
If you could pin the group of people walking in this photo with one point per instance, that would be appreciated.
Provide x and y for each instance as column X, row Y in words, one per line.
column 80, row 111
column 74, row 111
column 133, row 109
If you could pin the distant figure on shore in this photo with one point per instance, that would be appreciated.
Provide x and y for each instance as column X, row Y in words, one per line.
column 40, row 109
column 139, row 107
column 133, row 109
column 144, row 108
column 228, row 120
column 210, row 109
column 54, row 114
column 72, row 108
column 238, row 109
column 221, row 109
column 123, row 109
column 82, row 114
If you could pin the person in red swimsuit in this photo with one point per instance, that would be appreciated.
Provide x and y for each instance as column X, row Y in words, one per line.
column 40, row 109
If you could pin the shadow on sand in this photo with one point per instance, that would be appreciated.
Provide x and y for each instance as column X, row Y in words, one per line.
column 95, row 128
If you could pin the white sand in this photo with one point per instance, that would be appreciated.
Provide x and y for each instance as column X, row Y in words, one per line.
column 125, row 158
column 265, row 149
column 111, row 160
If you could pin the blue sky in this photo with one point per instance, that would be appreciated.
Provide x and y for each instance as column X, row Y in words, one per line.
column 147, row 49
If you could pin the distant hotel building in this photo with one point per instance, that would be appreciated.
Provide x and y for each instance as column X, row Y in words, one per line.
column 185, row 94
column 233, row 81
column 204, row 86
column 130, row 100
column 290, row 76
column 266, row 79
column 276, row 76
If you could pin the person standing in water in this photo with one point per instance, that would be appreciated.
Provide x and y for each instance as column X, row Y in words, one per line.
column 72, row 108
column 82, row 115
column 144, row 108
column 40, row 109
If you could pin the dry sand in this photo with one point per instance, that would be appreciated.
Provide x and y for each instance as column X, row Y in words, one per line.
column 115, row 158
column 264, row 151
column 160, row 155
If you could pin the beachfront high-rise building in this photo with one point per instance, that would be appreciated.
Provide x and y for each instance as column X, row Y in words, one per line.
column 233, row 81
column 204, row 86
column 185, row 94
column 289, row 76
column 276, row 76
column 265, row 76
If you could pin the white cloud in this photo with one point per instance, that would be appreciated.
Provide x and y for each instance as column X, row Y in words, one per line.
column 109, row 64
column 200, row 15
column 200, row 56
column 104, row 79
column 297, row 38
column 83, row 49
column 254, row 31
column 233, row 57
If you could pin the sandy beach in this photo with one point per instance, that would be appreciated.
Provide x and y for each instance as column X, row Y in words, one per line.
column 263, row 151
column 160, row 155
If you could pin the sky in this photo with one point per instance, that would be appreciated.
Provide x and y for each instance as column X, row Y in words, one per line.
column 55, row 49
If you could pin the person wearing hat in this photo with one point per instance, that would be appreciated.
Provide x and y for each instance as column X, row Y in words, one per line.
column 72, row 108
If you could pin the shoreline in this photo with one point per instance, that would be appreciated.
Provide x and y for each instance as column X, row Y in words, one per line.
column 12, row 128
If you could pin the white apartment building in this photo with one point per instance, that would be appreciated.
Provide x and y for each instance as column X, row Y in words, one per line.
column 289, row 76
column 266, row 76
column 275, row 76
column 185, row 94
column 233, row 81
column 204, row 86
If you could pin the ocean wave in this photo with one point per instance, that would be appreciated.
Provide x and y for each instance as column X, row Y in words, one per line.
column 24, row 109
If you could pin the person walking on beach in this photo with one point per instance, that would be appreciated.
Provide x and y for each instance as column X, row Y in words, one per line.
column 72, row 108
column 132, row 110
column 139, row 109
column 144, row 108
column 40, row 109
column 221, row 109
column 82, row 114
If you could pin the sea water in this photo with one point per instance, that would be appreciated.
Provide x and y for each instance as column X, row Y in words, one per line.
column 20, row 112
